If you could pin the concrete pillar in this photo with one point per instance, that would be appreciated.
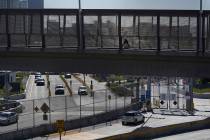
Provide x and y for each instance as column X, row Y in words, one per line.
column 189, row 97
column 137, row 89
column 148, row 94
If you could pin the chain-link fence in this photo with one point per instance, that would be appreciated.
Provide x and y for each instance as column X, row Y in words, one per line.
column 47, row 110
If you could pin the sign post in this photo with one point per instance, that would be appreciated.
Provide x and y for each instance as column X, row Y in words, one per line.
column 60, row 127
column 110, row 97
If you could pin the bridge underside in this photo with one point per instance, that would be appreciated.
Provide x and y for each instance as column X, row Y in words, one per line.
column 132, row 63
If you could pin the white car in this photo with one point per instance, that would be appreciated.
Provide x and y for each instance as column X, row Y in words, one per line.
column 59, row 90
column 82, row 90
column 132, row 117
column 7, row 118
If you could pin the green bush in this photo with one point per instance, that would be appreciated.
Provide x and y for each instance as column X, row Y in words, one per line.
column 119, row 90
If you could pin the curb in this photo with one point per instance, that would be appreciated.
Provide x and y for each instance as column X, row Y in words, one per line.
column 151, row 133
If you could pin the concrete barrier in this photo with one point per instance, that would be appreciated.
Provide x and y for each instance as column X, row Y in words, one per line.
column 16, row 97
column 201, row 96
column 18, row 109
column 151, row 133
column 69, row 125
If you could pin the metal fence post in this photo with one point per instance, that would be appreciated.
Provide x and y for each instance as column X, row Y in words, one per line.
column 178, row 93
column 106, row 102
column 33, row 115
column 50, row 110
column 66, row 107
column 17, row 123
column 124, row 101
column 80, row 109
column 169, row 96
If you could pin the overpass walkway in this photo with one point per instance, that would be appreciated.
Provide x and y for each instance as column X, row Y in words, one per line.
column 147, row 42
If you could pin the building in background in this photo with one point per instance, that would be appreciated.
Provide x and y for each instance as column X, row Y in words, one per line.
column 32, row 4
column 35, row 4
column 13, row 4
column 7, row 77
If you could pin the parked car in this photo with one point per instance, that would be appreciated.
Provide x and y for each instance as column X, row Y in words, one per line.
column 7, row 118
column 67, row 75
column 82, row 90
column 132, row 117
column 40, row 82
column 59, row 90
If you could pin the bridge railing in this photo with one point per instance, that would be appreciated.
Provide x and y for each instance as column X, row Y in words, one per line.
column 139, row 30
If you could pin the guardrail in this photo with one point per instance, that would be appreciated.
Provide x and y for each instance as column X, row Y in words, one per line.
column 151, row 133
column 12, row 106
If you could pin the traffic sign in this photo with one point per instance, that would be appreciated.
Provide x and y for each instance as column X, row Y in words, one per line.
column 45, row 117
column 36, row 109
column 45, row 108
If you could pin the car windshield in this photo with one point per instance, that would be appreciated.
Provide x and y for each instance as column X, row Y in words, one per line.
column 83, row 88
column 59, row 86
column 4, row 115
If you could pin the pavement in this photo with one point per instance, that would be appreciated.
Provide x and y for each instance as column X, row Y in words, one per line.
column 195, row 135
column 103, row 130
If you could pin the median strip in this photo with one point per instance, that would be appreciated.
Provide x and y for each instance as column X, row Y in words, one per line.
column 66, row 84
column 81, row 81
column 48, row 85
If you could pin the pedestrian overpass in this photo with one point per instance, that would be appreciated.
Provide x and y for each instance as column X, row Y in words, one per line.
column 146, row 42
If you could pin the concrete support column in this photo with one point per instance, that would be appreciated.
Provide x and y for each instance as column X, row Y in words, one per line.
column 137, row 89
column 189, row 97
column 148, row 94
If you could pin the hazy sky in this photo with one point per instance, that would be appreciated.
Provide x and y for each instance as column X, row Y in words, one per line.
column 129, row 4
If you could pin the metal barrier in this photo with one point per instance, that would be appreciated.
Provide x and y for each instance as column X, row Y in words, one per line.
column 66, row 108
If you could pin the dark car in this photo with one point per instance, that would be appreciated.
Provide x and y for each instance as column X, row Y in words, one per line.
column 7, row 118
column 37, row 77
column 40, row 82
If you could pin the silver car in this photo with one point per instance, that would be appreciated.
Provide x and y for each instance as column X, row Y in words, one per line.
column 132, row 117
column 82, row 90
column 7, row 118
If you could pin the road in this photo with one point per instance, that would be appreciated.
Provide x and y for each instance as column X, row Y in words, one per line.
column 62, row 107
column 67, row 107
column 195, row 135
